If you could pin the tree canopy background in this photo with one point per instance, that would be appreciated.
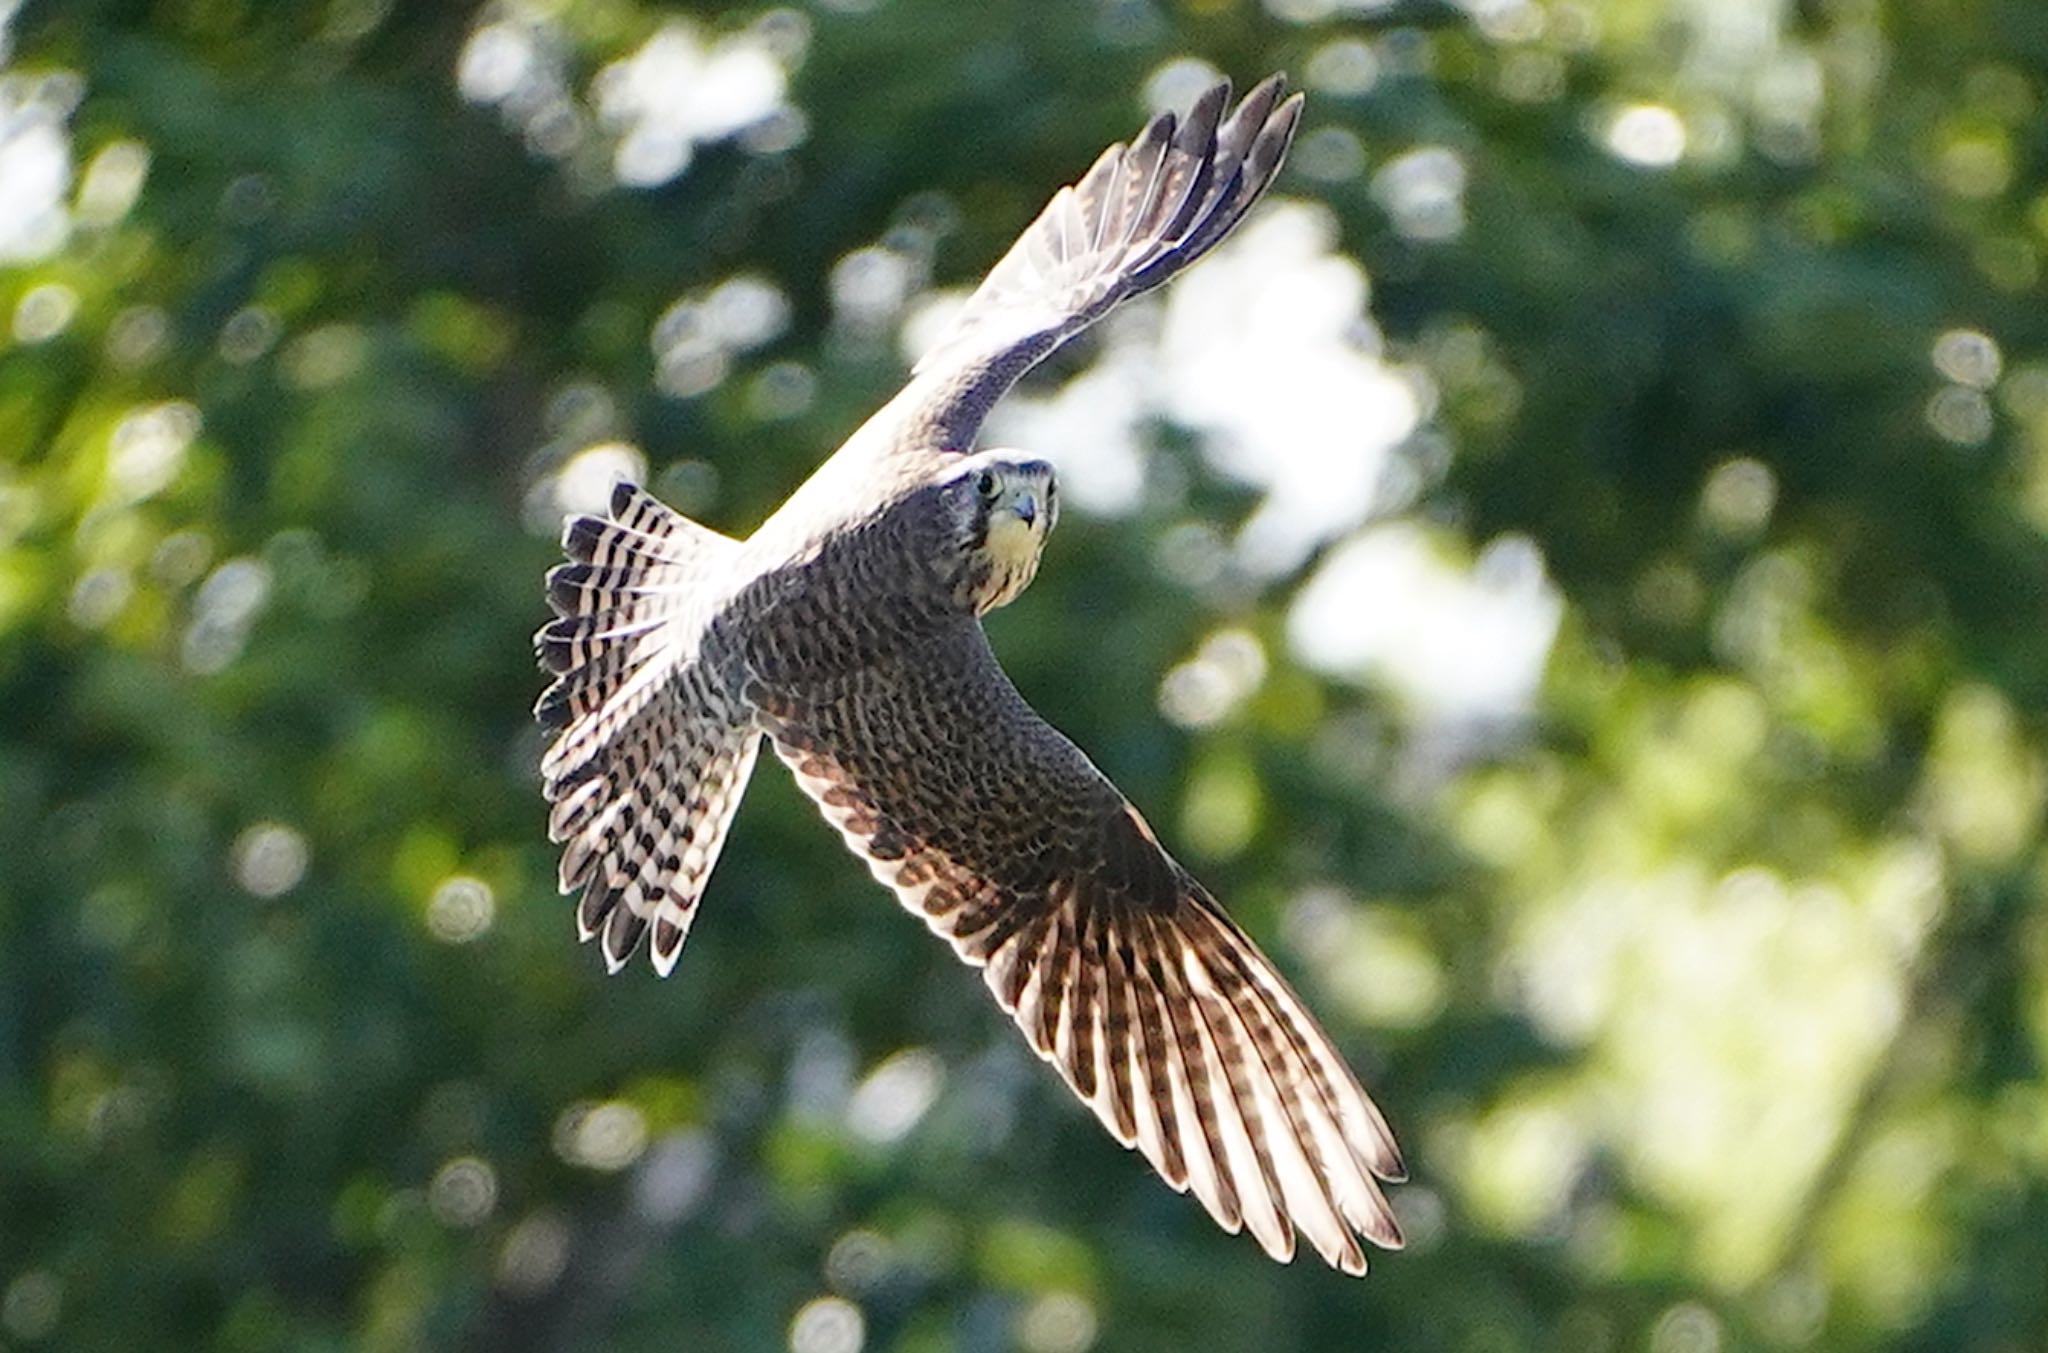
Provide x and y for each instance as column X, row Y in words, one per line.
column 1570, row 575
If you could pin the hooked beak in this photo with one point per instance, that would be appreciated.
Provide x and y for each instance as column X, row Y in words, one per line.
column 1026, row 508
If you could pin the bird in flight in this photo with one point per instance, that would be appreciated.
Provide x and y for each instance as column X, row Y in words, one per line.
column 846, row 631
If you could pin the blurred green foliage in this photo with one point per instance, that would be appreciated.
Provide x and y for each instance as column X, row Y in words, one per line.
column 1709, row 991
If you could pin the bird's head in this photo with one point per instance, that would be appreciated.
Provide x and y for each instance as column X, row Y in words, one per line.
column 999, row 506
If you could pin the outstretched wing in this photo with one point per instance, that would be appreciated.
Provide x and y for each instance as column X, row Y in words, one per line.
column 1140, row 215
column 1122, row 970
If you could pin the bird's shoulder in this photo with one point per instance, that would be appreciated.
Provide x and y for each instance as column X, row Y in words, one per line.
column 882, row 462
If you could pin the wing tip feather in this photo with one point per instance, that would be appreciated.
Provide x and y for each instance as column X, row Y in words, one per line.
column 1224, row 158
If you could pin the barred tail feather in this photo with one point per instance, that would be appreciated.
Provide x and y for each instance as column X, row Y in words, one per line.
column 651, row 757
column 641, row 839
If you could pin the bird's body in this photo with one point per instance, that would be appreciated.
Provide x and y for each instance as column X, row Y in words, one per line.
column 846, row 632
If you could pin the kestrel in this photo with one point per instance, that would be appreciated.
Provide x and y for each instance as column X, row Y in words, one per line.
column 847, row 631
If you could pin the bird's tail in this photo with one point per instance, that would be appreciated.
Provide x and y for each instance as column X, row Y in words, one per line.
column 651, row 755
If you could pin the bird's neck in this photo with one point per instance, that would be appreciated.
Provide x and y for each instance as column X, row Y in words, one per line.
column 1004, row 565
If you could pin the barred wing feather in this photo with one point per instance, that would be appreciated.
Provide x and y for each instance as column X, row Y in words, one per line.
column 1121, row 969
column 1141, row 214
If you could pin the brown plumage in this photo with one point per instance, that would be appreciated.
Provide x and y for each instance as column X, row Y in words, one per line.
column 847, row 631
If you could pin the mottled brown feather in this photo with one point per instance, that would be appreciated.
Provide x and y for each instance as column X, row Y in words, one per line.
column 1120, row 968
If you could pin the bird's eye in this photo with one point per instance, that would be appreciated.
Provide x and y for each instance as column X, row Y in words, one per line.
column 985, row 485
